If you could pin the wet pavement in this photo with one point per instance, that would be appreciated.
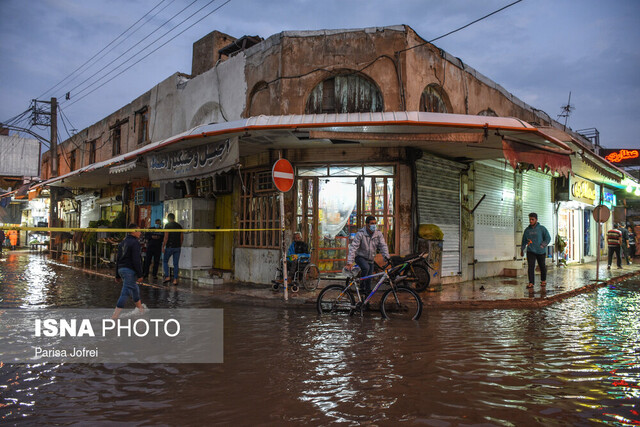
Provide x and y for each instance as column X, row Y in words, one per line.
column 487, row 293
column 573, row 362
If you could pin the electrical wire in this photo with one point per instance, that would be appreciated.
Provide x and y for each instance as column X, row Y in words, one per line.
column 154, row 50
column 131, row 48
column 461, row 28
column 102, row 50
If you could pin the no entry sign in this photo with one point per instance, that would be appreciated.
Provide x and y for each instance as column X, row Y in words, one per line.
column 282, row 174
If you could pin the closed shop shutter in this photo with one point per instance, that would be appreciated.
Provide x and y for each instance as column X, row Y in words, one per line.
column 494, row 224
column 536, row 197
column 439, row 204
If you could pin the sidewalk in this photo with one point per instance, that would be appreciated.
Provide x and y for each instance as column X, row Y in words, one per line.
column 486, row 293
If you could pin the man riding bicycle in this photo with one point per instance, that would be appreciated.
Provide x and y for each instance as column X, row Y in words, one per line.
column 367, row 242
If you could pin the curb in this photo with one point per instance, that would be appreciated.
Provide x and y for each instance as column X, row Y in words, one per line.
column 249, row 298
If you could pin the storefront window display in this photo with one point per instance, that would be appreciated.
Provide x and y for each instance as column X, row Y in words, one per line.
column 332, row 203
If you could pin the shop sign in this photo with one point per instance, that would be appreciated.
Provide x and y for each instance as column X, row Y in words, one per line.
column 609, row 199
column 622, row 156
column 582, row 191
column 193, row 162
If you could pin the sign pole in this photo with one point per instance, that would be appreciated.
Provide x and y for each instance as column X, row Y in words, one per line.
column 283, row 177
column 601, row 214
column 285, row 274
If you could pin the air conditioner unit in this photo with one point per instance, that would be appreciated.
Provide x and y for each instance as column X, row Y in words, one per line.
column 169, row 191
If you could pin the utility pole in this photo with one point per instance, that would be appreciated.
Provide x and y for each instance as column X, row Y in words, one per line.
column 54, row 137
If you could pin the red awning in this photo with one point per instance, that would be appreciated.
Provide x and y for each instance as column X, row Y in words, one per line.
column 539, row 158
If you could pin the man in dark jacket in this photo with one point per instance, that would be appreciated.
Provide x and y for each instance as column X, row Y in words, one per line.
column 154, row 250
column 128, row 268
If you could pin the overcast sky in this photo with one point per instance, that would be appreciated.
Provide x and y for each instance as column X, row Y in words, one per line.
column 539, row 50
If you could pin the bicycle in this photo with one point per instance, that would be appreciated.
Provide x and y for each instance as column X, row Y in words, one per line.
column 397, row 302
column 304, row 273
column 416, row 268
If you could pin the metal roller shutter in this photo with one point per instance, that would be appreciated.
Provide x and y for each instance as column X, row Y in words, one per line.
column 536, row 197
column 439, row 204
column 494, row 224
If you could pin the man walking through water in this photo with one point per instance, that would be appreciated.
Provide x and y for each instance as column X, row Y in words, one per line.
column 129, row 271
column 535, row 239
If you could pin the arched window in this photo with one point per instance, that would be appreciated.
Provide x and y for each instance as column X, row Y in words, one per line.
column 348, row 93
column 434, row 100
column 488, row 112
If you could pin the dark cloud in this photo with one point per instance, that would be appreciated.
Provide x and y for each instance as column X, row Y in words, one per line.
column 538, row 50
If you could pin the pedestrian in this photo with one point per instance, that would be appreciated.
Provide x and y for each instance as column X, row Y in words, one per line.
column 13, row 238
column 535, row 239
column 632, row 243
column 171, row 248
column 625, row 242
column 614, row 242
column 363, row 249
column 154, row 250
column 1, row 240
column 129, row 270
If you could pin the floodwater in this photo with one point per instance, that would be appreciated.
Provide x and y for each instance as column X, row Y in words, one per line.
column 573, row 363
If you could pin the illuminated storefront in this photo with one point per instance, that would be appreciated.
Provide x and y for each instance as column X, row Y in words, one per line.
column 577, row 197
column 334, row 200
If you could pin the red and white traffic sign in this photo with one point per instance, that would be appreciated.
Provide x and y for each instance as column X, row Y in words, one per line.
column 282, row 174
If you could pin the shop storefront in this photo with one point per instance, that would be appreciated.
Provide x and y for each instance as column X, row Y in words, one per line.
column 577, row 197
column 334, row 200
column 494, row 219
column 438, row 186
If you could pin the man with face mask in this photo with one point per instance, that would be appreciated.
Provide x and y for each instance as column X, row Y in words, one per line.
column 363, row 249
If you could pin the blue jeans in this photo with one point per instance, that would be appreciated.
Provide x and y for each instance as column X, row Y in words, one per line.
column 168, row 253
column 129, row 286
column 367, row 269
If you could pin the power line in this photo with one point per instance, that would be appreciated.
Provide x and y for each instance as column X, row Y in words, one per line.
column 461, row 28
column 101, row 50
column 154, row 50
column 129, row 50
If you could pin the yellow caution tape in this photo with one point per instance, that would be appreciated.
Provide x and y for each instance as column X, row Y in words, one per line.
column 144, row 230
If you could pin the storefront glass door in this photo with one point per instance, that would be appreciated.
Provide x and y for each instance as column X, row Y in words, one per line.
column 332, row 202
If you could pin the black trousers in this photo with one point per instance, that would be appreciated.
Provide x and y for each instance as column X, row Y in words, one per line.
column 154, row 253
column 616, row 250
column 531, row 262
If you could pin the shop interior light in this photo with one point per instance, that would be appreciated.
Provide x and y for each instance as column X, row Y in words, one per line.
column 637, row 192
column 165, row 221
column 629, row 188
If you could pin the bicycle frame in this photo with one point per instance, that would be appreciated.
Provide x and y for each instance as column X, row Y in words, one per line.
column 384, row 278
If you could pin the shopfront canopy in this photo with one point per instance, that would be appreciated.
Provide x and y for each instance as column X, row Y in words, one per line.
column 454, row 136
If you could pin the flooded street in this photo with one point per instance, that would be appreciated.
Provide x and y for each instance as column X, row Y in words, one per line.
column 573, row 363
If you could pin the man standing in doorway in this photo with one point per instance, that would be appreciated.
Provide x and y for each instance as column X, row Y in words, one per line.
column 614, row 243
column 625, row 243
column 154, row 250
column 171, row 248
column 363, row 249
column 535, row 239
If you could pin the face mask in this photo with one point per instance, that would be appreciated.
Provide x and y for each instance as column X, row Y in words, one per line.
column 372, row 227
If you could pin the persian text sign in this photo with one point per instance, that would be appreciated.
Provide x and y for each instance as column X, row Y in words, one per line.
column 623, row 157
column 582, row 191
column 91, row 336
column 193, row 162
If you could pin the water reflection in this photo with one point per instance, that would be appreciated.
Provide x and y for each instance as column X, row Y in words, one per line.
column 572, row 363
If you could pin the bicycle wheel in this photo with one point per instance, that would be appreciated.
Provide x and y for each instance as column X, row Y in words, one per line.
column 418, row 277
column 335, row 299
column 310, row 277
column 401, row 303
